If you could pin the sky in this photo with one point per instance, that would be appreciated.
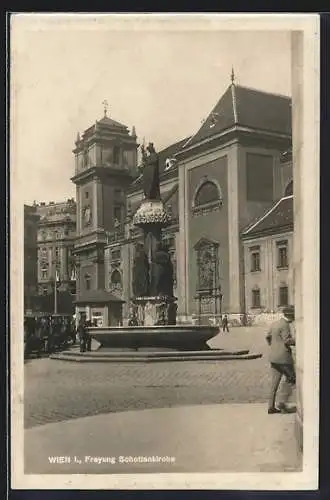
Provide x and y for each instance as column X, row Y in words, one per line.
column 164, row 82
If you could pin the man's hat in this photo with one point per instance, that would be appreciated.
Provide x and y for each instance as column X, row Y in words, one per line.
column 288, row 311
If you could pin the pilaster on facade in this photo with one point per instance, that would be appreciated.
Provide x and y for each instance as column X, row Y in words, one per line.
column 182, row 264
column 235, row 305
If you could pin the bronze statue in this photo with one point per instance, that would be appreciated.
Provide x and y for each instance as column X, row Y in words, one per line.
column 150, row 173
column 161, row 284
column 140, row 273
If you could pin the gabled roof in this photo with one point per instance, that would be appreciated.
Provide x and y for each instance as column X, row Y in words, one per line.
column 111, row 123
column 275, row 220
column 246, row 107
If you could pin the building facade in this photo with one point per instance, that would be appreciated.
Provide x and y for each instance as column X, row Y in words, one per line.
column 30, row 255
column 268, row 262
column 216, row 183
column 56, row 237
column 105, row 165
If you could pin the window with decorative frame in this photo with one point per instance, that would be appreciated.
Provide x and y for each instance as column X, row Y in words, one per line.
column 207, row 197
column 116, row 254
column 282, row 254
column 44, row 273
column 255, row 259
column 116, row 284
column 283, row 295
column 256, row 297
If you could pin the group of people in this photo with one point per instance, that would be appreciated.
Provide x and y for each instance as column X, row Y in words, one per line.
column 47, row 333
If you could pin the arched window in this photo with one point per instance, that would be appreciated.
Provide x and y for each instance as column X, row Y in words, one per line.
column 116, row 277
column 116, row 282
column 207, row 193
column 207, row 197
column 289, row 189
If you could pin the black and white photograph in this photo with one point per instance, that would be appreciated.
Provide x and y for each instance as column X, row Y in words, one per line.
column 164, row 251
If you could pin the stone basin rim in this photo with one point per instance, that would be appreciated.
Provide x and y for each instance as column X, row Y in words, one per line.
column 153, row 327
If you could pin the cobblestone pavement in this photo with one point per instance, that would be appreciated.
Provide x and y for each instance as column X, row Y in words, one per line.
column 61, row 390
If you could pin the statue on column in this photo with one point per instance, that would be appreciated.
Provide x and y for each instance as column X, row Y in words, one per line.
column 150, row 172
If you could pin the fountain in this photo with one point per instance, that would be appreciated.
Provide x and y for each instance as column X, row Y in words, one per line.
column 153, row 316
column 152, row 334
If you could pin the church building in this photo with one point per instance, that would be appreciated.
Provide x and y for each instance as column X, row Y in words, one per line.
column 227, row 187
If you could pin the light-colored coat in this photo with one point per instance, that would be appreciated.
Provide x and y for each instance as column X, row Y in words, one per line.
column 280, row 341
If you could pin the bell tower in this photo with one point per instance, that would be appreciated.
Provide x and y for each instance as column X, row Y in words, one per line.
column 105, row 165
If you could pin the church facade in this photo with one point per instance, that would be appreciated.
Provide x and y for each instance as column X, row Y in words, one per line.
column 217, row 184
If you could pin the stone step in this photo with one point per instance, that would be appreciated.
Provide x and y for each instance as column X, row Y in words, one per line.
column 125, row 358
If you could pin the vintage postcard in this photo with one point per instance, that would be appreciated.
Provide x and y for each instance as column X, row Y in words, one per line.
column 164, row 251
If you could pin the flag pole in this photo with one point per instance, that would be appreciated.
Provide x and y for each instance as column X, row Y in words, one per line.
column 55, row 294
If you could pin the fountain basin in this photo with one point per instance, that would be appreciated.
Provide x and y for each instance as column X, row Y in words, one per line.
column 171, row 337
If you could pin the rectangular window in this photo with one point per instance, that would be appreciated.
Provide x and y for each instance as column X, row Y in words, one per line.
column 87, row 282
column 44, row 274
column 255, row 261
column 44, row 290
column 259, row 177
column 116, row 155
column 256, row 301
column 115, row 255
column 282, row 252
column 283, row 296
column 117, row 213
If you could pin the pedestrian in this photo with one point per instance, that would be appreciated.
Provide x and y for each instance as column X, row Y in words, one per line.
column 280, row 340
column 82, row 330
column 88, row 335
column 225, row 326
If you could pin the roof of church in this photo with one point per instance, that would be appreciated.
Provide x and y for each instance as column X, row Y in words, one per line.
column 275, row 220
column 246, row 107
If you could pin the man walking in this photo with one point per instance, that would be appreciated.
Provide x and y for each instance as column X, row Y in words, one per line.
column 280, row 340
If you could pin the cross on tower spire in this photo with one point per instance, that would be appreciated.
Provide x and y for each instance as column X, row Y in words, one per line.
column 105, row 104
column 232, row 76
